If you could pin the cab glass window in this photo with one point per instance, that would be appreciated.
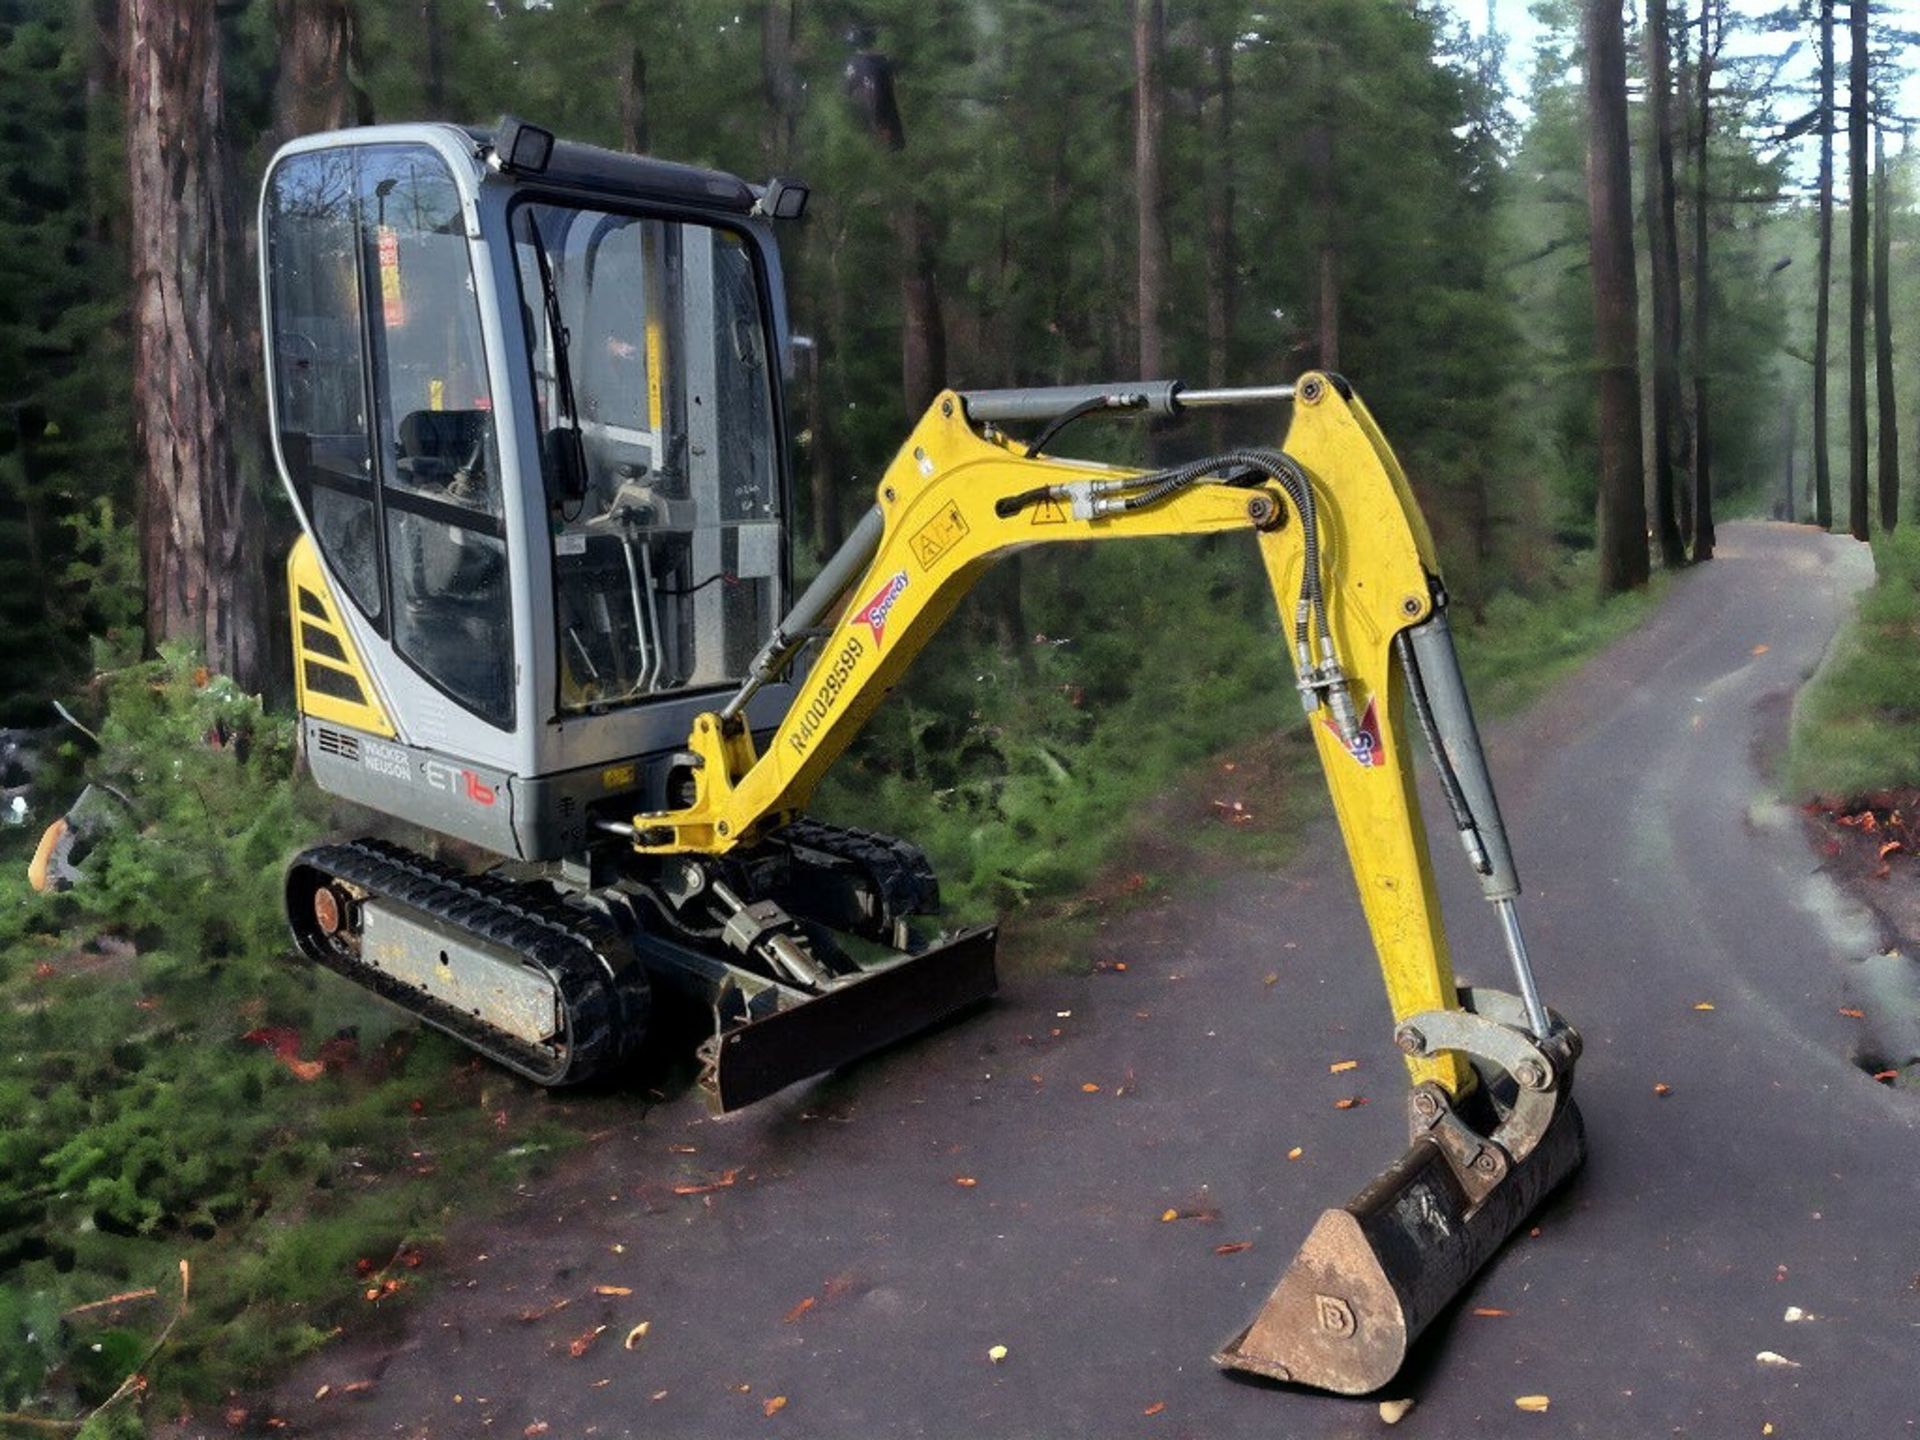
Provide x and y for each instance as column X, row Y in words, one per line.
column 653, row 393
column 319, row 377
column 438, row 460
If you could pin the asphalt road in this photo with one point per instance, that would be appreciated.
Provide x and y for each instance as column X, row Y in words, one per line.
column 849, row 1270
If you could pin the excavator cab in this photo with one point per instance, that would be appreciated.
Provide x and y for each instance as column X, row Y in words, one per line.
column 531, row 417
column 527, row 400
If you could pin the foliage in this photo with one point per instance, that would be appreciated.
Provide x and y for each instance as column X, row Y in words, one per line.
column 64, row 420
column 1856, row 726
column 143, row 1126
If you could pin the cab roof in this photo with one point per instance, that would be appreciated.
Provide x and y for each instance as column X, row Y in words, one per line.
column 574, row 165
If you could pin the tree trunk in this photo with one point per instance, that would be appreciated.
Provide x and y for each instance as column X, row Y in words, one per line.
column 1621, row 510
column 1823, row 304
column 634, row 134
column 1320, row 152
column 1888, row 435
column 1663, row 246
column 1702, row 293
column 923, row 335
column 433, row 83
column 1149, row 119
column 317, row 87
column 200, row 522
column 1222, row 261
column 779, row 82
column 1793, row 439
column 923, row 331
column 1858, row 498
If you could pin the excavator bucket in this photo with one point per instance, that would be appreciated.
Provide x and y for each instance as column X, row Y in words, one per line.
column 1375, row 1272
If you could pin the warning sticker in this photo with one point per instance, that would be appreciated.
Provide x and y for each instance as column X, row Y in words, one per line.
column 1049, row 512
column 393, row 304
column 1365, row 747
column 939, row 535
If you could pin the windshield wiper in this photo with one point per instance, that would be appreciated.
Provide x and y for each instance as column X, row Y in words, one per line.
column 561, row 447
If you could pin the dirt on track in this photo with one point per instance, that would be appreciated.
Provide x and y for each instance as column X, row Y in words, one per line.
column 862, row 1244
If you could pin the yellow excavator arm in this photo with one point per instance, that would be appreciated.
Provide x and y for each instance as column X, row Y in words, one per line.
column 1356, row 583
column 944, row 514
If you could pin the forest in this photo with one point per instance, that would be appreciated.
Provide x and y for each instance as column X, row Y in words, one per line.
column 1658, row 272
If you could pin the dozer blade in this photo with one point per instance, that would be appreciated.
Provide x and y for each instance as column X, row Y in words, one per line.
column 754, row 1059
column 1374, row 1273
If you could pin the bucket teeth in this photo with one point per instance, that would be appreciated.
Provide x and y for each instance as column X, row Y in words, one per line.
column 1374, row 1273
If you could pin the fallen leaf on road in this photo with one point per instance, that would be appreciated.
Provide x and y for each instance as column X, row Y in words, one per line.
column 1090, row 1088
column 1155, row 1408
column 1886, row 1074
column 1774, row 1357
column 773, row 1407
column 1490, row 1310
column 1392, row 1412
column 637, row 1334
column 1233, row 1247
column 1532, row 1404
column 726, row 1179
column 965, row 1182
column 538, row 1427
column 1340, row 1067
column 797, row 1311
column 1350, row 1103
column 1888, row 848
column 1759, row 650
column 612, row 1290
column 1852, row 1012
column 1295, row 1153
column 1166, row 1215
column 585, row 1341
column 1272, row 978
column 1662, row 1089
column 997, row 1353
column 1704, row 1005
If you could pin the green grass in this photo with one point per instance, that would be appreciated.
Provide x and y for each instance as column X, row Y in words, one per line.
column 143, row 1129
column 1856, row 725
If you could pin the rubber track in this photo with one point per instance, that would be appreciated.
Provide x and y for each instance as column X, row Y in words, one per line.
column 899, row 870
column 603, row 989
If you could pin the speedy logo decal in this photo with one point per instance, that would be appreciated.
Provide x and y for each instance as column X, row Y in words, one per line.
column 874, row 616
column 1366, row 745
column 832, row 684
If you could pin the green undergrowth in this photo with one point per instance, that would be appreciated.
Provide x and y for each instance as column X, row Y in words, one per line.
column 1856, row 725
column 175, row 1090
column 1150, row 694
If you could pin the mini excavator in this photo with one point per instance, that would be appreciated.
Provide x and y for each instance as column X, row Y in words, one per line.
column 527, row 400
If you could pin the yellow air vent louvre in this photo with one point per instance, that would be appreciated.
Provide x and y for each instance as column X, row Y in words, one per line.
column 333, row 684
